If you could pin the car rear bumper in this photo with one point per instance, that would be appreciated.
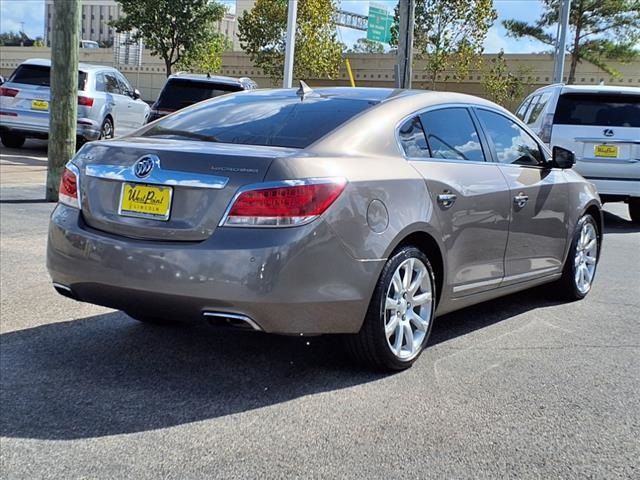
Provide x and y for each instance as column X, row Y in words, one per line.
column 25, row 125
column 616, row 187
column 288, row 281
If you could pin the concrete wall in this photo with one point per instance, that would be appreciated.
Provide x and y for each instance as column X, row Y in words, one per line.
column 369, row 71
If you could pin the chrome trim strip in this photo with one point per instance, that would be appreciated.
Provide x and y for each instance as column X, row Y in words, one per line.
column 158, row 176
column 606, row 140
column 483, row 283
column 235, row 316
column 276, row 184
column 535, row 273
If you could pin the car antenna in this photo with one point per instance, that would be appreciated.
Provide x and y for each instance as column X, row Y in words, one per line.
column 304, row 90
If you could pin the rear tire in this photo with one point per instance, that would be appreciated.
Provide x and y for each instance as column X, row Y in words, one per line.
column 582, row 261
column 12, row 140
column 634, row 210
column 399, row 319
column 106, row 130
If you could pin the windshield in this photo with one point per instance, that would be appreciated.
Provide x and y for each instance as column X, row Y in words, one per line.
column 598, row 110
column 40, row 75
column 260, row 118
column 182, row 93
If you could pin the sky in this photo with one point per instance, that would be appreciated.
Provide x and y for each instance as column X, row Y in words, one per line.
column 31, row 12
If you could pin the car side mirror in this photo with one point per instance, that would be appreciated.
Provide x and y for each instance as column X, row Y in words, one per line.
column 136, row 94
column 562, row 158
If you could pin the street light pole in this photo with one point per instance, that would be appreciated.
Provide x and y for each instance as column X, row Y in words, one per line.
column 404, row 63
column 292, row 15
column 561, row 42
column 63, row 107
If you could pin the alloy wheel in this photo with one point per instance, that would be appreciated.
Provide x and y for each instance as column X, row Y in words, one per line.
column 586, row 258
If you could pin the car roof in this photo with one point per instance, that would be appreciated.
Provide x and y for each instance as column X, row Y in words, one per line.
column 45, row 62
column 564, row 88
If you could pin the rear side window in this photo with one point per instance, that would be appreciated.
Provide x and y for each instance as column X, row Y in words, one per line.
column 260, row 118
column 40, row 75
column 512, row 143
column 538, row 108
column 181, row 93
column 451, row 134
column 523, row 108
column 603, row 110
column 412, row 139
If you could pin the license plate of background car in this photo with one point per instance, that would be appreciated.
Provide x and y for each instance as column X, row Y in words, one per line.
column 607, row 151
column 39, row 105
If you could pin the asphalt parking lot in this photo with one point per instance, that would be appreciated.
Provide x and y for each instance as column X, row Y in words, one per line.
column 521, row 387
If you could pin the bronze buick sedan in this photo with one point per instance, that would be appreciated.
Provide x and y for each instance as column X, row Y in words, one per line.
column 355, row 211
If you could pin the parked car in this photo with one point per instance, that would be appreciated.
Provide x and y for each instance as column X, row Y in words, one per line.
column 89, row 44
column 353, row 211
column 108, row 105
column 184, row 89
column 601, row 124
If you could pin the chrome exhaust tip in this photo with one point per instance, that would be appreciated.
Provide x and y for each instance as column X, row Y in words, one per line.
column 64, row 291
column 232, row 320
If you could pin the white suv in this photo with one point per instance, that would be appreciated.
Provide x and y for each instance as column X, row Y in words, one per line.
column 601, row 125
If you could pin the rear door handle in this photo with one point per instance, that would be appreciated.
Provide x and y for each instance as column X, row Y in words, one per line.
column 520, row 200
column 446, row 199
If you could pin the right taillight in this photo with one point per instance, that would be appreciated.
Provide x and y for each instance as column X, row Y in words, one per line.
column 291, row 203
column 8, row 92
column 68, row 193
column 545, row 130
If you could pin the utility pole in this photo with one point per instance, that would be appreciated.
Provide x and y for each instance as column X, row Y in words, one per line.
column 63, row 106
column 292, row 16
column 561, row 41
column 22, row 34
column 403, row 68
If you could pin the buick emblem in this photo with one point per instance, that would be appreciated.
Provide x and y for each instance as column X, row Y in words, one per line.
column 142, row 168
column 608, row 132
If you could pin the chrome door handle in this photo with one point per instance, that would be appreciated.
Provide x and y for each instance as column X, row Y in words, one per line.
column 446, row 199
column 521, row 200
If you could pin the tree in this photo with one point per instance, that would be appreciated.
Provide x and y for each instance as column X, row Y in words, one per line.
column 364, row 45
column 449, row 34
column 600, row 31
column 170, row 28
column 205, row 57
column 502, row 85
column 262, row 34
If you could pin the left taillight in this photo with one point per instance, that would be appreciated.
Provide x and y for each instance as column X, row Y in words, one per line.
column 285, row 204
column 8, row 92
column 69, row 183
column 85, row 101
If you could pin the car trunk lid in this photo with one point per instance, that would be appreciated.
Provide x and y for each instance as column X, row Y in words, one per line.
column 182, row 197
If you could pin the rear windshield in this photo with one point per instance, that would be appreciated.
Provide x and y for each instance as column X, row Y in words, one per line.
column 598, row 110
column 260, row 118
column 40, row 75
column 182, row 93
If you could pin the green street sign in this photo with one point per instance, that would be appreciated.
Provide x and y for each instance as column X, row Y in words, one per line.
column 379, row 25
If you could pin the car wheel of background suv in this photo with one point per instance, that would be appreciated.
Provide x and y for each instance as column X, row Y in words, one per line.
column 11, row 140
column 399, row 319
column 106, row 130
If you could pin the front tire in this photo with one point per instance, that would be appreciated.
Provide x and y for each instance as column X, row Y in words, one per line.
column 580, row 266
column 399, row 319
column 11, row 140
column 634, row 210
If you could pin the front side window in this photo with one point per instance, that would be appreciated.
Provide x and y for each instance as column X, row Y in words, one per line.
column 412, row 139
column 452, row 135
column 111, row 83
column 513, row 144
column 523, row 108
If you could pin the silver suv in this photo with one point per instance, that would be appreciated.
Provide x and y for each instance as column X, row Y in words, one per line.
column 184, row 89
column 601, row 125
column 108, row 105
